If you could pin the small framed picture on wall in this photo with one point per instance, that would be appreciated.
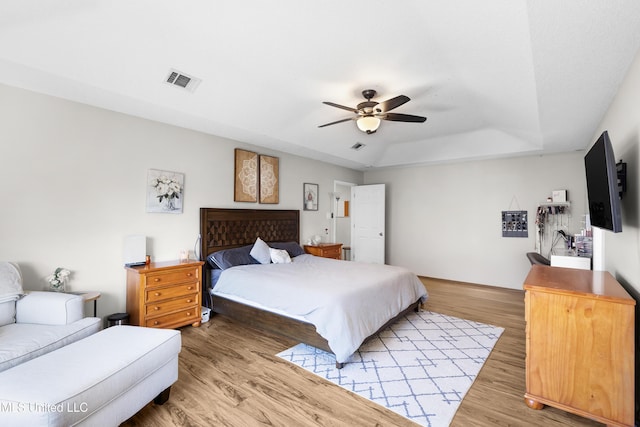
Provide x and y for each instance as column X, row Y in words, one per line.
column 310, row 197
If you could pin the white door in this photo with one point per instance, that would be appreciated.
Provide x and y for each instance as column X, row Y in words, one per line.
column 367, row 223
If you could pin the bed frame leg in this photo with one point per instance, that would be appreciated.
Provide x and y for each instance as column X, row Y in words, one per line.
column 339, row 365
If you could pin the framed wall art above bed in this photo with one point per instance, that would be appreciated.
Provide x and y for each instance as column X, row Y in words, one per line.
column 269, row 179
column 245, row 184
column 256, row 177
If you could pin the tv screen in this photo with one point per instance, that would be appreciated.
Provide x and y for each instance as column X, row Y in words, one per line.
column 602, row 185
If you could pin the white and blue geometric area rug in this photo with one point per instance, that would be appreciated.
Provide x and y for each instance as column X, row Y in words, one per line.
column 420, row 367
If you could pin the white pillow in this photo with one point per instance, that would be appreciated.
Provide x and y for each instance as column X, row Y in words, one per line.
column 260, row 252
column 280, row 256
column 8, row 311
column 10, row 279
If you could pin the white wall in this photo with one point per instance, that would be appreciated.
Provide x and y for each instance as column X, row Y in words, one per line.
column 445, row 220
column 73, row 185
column 622, row 250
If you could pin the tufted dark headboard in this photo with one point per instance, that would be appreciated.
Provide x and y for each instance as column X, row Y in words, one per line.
column 231, row 228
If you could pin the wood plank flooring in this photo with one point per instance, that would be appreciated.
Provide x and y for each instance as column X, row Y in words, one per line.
column 229, row 376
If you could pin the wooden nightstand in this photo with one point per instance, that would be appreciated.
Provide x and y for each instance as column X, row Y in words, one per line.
column 89, row 296
column 164, row 294
column 325, row 250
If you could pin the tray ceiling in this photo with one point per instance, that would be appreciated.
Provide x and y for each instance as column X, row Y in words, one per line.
column 494, row 78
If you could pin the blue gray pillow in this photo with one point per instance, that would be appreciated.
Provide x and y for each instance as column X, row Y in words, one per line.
column 231, row 257
column 292, row 248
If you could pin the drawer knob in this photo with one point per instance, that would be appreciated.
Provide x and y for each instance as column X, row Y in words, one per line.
column 156, row 323
column 157, row 279
column 189, row 274
column 188, row 300
column 188, row 314
column 156, row 308
column 157, row 294
column 189, row 287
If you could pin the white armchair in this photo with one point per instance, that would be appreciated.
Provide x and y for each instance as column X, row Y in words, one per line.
column 36, row 323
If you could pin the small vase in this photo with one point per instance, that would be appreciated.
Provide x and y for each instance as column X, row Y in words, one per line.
column 171, row 205
column 60, row 286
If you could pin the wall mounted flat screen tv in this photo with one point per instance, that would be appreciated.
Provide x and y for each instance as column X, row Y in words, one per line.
column 602, row 185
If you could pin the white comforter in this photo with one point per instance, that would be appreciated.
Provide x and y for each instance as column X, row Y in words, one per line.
column 346, row 301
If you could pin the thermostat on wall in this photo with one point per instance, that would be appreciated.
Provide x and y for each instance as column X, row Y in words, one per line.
column 559, row 196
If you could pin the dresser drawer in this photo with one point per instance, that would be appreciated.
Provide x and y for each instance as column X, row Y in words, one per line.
column 160, row 308
column 183, row 317
column 159, row 294
column 325, row 250
column 331, row 252
column 162, row 278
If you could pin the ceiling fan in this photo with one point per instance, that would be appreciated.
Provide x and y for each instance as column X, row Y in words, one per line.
column 369, row 113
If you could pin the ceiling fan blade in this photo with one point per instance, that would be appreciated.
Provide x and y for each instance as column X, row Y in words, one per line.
column 338, row 121
column 395, row 117
column 353, row 110
column 392, row 103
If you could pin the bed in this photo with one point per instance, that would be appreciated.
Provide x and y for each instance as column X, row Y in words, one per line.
column 281, row 301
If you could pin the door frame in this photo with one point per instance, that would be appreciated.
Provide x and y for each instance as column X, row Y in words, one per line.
column 334, row 207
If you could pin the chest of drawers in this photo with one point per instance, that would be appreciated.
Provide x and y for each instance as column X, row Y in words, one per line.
column 580, row 344
column 325, row 250
column 164, row 294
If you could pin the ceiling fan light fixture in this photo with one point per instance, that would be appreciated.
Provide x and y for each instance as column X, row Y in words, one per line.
column 369, row 113
column 368, row 124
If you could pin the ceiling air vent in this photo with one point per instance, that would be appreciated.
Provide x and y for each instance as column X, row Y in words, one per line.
column 357, row 146
column 182, row 80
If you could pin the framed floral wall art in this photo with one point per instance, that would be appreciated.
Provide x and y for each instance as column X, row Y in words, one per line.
column 165, row 191
column 269, row 171
column 245, row 184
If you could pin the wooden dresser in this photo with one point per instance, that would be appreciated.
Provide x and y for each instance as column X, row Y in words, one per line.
column 164, row 294
column 580, row 344
column 325, row 250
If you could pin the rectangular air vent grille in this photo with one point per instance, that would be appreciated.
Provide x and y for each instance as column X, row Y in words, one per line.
column 357, row 146
column 182, row 80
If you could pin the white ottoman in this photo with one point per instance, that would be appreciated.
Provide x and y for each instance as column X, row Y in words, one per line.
column 101, row 380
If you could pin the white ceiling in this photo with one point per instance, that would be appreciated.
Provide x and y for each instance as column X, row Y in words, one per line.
column 494, row 77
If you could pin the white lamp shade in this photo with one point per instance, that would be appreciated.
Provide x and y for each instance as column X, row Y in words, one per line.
column 368, row 124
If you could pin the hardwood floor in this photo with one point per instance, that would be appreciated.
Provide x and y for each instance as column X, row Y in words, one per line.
column 229, row 376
